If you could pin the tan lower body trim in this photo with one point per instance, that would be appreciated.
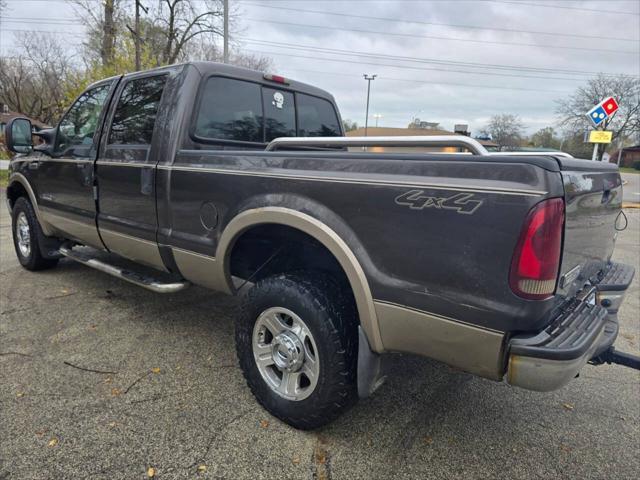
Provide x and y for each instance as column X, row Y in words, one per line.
column 136, row 249
column 83, row 232
column 464, row 346
column 200, row 269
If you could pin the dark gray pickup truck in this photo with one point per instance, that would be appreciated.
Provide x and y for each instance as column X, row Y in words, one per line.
column 343, row 248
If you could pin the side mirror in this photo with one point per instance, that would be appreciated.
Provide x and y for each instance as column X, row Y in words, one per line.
column 18, row 135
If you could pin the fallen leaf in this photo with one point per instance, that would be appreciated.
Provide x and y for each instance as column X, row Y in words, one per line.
column 264, row 423
column 151, row 472
column 107, row 380
column 155, row 370
column 202, row 468
column 428, row 440
column 209, row 359
column 568, row 406
column 20, row 394
column 53, row 442
column 41, row 432
column 565, row 448
column 112, row 424
column 296, row 459
column 115, row 392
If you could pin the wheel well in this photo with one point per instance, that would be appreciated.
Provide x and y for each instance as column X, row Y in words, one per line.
column 268, row 249
column 15, row 191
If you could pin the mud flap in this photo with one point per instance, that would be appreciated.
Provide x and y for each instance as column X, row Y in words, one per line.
column 370, row 375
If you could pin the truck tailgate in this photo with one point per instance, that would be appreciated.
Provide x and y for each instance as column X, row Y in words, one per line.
column 593, row 197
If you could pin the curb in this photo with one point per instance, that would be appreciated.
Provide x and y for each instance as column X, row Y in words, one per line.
column 630, row 205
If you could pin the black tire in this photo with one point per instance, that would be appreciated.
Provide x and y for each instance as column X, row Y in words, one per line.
column 331, row 318
column 34, row 260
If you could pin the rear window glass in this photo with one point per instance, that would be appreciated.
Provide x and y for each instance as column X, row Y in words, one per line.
column 230, row 110
column 316, row 117
column 243, row 111
column 135, row 115
column 280, row 114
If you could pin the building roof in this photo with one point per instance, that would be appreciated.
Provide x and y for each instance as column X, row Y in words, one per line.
column 408, row 132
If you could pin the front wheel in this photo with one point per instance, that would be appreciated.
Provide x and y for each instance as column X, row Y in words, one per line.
column 26, row 233
column 296, row 342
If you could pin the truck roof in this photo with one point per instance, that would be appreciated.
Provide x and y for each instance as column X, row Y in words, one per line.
column 212, row 68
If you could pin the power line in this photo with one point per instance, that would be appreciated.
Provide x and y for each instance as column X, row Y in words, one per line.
column 412, row 35
column 62, row 21
column 426, row 82
column 582, row 9
column 408, row 67
column 336, row 51
column 474, row 27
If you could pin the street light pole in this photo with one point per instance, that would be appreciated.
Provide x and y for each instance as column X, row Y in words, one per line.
column 368, row 78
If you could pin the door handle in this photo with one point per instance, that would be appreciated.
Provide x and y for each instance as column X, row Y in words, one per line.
column 34, row 165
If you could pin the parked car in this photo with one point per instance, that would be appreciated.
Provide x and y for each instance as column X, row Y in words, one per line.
column 243, row 183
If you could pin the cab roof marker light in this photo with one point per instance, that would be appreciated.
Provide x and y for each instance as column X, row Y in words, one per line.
column 276, row 78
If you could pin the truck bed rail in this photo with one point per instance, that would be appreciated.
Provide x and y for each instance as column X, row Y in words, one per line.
column 461, row 141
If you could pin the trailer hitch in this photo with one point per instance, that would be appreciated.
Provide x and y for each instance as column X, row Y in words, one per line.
column 611, row 355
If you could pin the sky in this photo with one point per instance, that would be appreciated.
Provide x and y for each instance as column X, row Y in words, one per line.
column 446, row 61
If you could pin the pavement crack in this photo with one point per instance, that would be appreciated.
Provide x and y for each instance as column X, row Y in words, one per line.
column 2, row 354
column 136, row 381
column 105, row 372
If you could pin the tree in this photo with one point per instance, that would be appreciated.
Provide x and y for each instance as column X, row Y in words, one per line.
column 349, row 125
column 506, row 130
column 103, row 22
column 625, row 89
column 545, row 138
column 33, row 82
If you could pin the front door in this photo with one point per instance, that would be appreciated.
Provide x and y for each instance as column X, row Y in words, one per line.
column 65, row 180
column 126, row 171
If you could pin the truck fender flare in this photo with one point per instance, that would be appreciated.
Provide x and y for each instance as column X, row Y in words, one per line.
column 22, row 180
column 327, row 237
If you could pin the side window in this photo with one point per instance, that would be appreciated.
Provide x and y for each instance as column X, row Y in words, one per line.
column 279, row 114
column 230, row 110
column 316, row 117
column 135, row 114
column 79, row 125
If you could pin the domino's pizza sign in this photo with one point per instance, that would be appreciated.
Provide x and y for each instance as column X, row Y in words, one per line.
column 603, row 111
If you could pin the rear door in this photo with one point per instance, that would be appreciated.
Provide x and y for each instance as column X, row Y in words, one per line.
column 65, row 180
column 126, row 170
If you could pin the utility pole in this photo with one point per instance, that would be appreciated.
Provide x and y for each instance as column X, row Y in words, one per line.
column 368, row 78
column 377, row 116
column 137, row 35
column 226, row 32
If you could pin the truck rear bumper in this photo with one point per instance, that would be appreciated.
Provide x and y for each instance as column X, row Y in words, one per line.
column 550, row 359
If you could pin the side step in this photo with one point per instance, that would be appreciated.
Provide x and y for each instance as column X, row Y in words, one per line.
column 144, row 281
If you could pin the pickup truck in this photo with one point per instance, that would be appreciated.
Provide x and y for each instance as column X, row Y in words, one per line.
column 342, row 248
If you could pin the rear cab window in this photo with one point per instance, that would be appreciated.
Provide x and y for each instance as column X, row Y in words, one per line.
column 232, row 110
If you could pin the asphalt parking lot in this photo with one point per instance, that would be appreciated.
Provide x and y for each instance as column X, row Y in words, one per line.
column 165, row 394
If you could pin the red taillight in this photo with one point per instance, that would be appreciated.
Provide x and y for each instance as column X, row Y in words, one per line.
column 536, row 259
column 275, row 78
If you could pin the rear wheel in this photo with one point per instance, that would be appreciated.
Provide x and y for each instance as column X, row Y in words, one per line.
column 26, row 234
column 297, row 345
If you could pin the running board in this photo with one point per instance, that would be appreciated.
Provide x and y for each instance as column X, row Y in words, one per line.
column 141, row 280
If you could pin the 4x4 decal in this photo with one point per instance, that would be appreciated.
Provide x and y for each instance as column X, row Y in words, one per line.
column 461, row 202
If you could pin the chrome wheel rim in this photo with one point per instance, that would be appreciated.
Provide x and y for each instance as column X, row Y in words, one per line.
column 23, row 235
column 285, row 352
